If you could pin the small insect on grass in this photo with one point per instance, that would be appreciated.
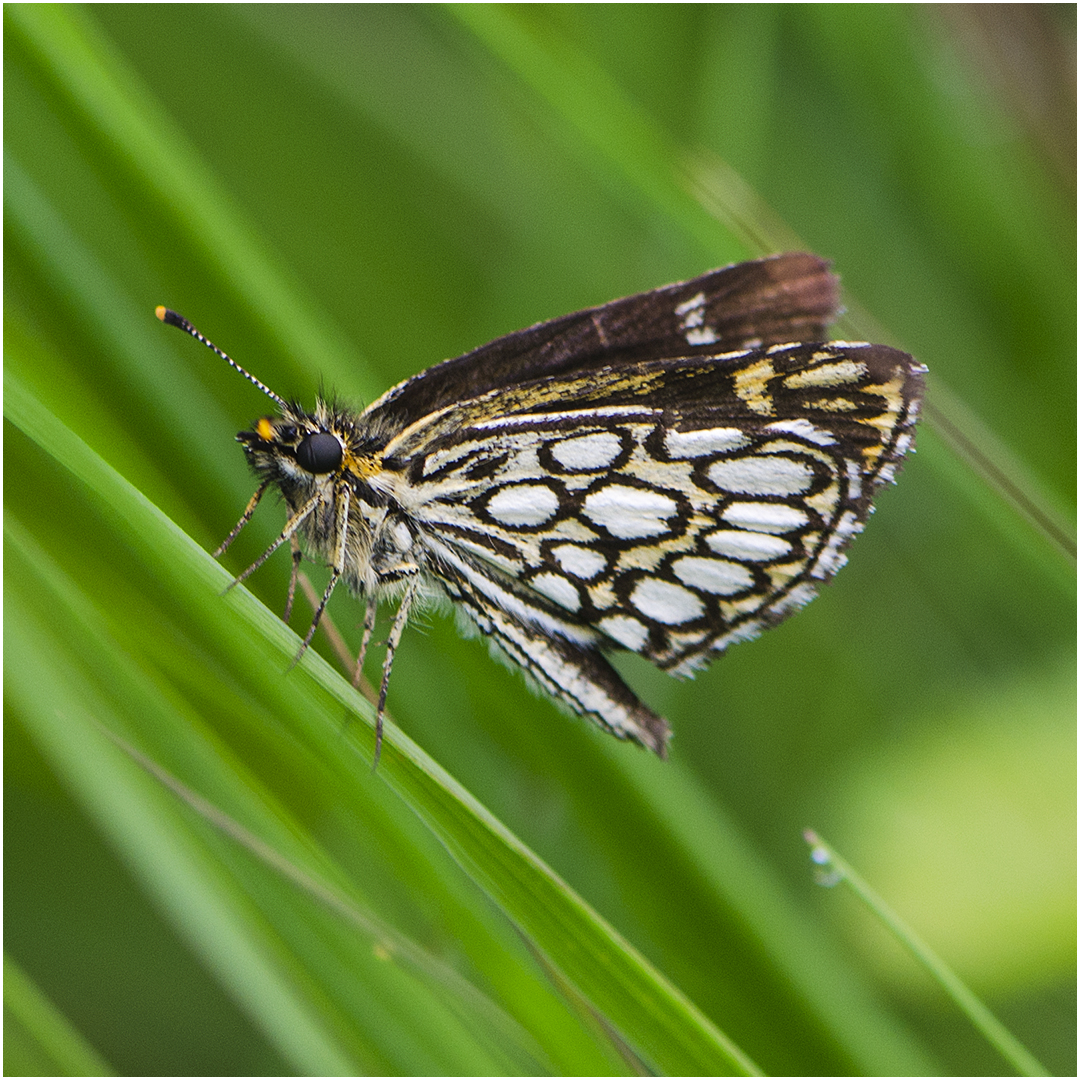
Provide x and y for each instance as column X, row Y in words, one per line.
column 670, row 473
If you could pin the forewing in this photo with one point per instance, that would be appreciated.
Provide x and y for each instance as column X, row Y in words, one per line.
column 670, row 508
column 782, row 299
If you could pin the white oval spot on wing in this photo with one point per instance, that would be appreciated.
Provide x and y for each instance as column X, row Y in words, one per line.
column 626, row 630
column 692, row 444
column 752, row 546
column 580, row 561
column 765, row 517
column 523, row 504
column 804, row 429
column 630, row 513
column 666, row 602
column 772, row 475
column 712, row 575
column 586, row 452
column 559, row 589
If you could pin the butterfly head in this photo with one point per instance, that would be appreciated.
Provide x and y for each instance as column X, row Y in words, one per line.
column 298, row 451
column 312, row 446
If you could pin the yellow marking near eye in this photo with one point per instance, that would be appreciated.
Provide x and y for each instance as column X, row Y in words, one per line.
column 265, row 430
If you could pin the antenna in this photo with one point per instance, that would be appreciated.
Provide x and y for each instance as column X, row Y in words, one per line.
column 167, row 315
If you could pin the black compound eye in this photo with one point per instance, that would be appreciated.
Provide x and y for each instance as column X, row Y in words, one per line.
column 319, row 453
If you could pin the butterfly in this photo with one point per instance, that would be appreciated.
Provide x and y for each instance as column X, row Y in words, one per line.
column 669, row 473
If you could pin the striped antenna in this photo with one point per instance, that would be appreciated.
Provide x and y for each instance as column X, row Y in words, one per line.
column 167, row 315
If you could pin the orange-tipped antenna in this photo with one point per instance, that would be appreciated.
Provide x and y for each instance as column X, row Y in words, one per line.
column 167, row 315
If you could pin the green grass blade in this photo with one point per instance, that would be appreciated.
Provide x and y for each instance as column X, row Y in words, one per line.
column 38, row 1039
column 112, row 108
column 836, row 870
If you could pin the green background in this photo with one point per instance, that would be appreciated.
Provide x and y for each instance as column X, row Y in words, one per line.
column 341, row 196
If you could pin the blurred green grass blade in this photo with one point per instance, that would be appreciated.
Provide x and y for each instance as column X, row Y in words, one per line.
column 385, row 939
column 660, row 1023
column 633, row 151
column 134, row 810
column 838, row 870
column 845, row 1005
column 958, row 161
column 179, row 412
column 109, row 104
column 464, row 1032
column 985, row 454
column 38, row 1039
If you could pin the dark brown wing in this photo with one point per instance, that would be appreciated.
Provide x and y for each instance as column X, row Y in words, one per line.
column 782, row 299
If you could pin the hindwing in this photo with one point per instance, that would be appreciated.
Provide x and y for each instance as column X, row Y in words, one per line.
column 668, row 507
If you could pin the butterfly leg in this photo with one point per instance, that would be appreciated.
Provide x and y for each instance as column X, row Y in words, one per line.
column 396, row 631
column 365, row 641
column 290, row 530
column 334, row 578
column 294, row 545
column 341, row 518
column 245, row 517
